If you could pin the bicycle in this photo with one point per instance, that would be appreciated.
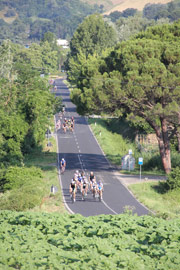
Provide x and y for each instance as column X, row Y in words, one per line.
column 100, row 193
column 94, row 191
column 62, row 169
column 73, row 195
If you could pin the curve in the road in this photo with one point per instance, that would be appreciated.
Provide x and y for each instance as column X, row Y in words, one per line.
column 81, row 151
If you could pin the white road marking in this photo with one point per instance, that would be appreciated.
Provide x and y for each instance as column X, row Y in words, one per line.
column 109, row 207
column 60, row 181
column 80, row 162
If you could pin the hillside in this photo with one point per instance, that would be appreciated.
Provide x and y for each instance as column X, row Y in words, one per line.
column 27, row 20
column 120, row 5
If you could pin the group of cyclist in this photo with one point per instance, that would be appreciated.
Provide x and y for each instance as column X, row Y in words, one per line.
column 79, row 181
column 68, row 124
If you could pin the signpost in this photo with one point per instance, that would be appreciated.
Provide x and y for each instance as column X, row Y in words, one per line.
column 130, row 154
column 140, row 162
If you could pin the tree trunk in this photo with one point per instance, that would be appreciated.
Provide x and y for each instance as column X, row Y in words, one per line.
column 178, row 140
column 164, row 145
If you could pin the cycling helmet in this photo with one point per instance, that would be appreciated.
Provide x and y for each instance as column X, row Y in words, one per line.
column 77, row 171
column 62, row 159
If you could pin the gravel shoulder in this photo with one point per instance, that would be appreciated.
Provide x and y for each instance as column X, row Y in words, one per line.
column 127, row 180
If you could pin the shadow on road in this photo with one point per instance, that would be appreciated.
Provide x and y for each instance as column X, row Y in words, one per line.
column 90, row 162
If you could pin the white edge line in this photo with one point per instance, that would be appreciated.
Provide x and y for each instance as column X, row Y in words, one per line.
column 109, row 207
column 59, row 175
column 115, row 174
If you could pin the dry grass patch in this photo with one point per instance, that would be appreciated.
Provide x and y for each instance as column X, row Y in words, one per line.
column 136, row 4
column 7, row 19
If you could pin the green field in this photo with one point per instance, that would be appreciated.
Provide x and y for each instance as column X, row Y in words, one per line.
column 52, row 241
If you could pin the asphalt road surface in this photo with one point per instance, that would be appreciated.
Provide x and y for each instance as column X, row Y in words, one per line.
column 81, row 151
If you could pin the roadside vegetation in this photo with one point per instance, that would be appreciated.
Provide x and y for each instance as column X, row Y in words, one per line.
column 28, row 167
column 127, row 81
column 163, row 202
column 116, row 137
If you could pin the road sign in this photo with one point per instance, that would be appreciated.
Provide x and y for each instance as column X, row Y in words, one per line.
column 140, row 161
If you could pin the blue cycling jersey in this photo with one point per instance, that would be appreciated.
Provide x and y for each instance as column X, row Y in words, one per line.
column 79, row 178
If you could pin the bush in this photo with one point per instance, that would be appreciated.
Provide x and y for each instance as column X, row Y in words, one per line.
column 26, row 197
column 175, row 159
column 152, row 161
column 173, row 180
column 16, row 177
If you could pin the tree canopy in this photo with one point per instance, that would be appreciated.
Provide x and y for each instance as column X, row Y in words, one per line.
column 28, row 20
column 140, row 77
column 25, row 102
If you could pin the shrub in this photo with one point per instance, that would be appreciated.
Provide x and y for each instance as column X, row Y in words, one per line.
column 16, row 177
column 173, row 180
column 26, row 197
column 175, row 159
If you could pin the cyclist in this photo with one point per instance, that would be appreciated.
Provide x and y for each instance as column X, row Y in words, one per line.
column 76, row 175
column 91, row 178
column 72, row 127
column 63, row 165
column 72, row 121
column 100, row 189
column 72, row 189
column 64, row 127
column 84, row 185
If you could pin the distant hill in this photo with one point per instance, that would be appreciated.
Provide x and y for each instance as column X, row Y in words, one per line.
column 27, row 20
column 120, row 5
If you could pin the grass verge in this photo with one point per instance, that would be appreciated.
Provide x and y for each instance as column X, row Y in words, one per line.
column 163, row 203
column 116, row 138
column 47, row 161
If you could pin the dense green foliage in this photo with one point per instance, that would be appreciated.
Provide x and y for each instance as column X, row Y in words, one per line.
column 35, row 17
column 157, row 11
column 173, row 181
column 90, row 38
column 25, row 187
column 43, row 241
column 138, row 78
column 26, row 102
column 25, row 107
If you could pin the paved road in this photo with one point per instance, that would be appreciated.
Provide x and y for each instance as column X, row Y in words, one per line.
column 81, row 151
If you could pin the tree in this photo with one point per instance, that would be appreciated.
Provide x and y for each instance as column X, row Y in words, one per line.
column 93, row 35
column 91, row 38
column 6, row 60
column 141, row 78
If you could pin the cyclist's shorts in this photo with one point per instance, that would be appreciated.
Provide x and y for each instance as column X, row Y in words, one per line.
column 84, row 186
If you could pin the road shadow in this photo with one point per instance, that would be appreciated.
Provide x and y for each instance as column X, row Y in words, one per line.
column 90, row 162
